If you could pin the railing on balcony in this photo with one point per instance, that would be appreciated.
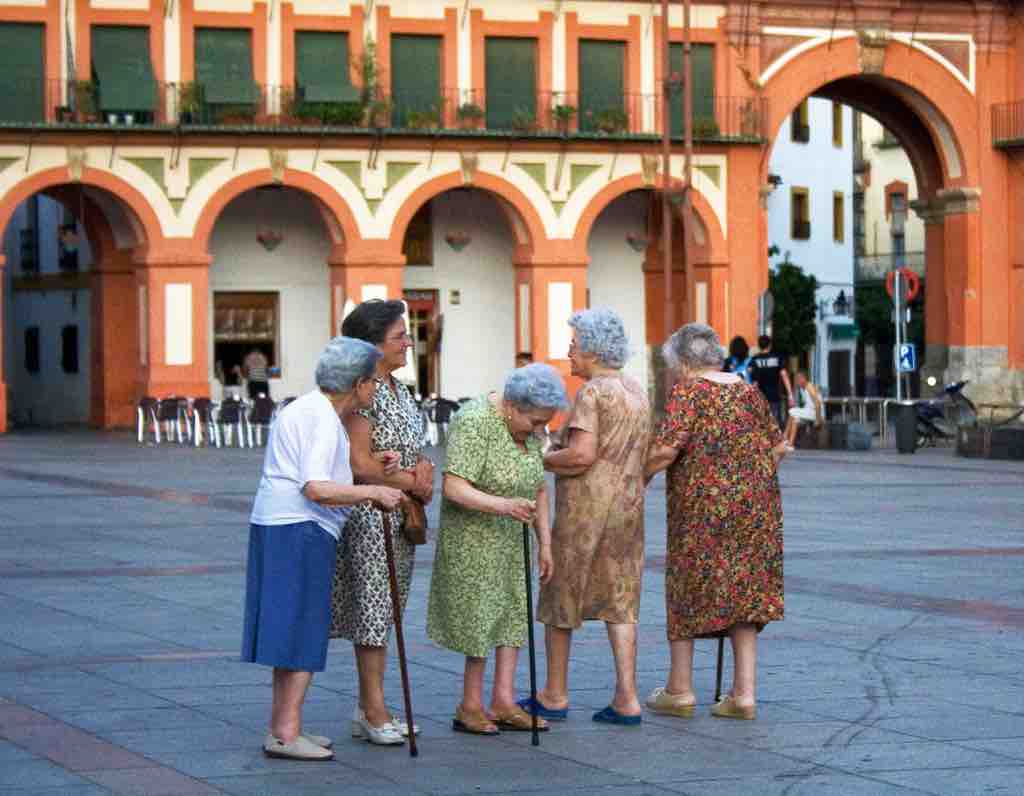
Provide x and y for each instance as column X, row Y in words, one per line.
column 1008, row 124
column 248, row 104
column 874, row 267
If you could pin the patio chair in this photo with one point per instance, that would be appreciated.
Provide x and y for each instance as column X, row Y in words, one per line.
column 231, row 416
column 204, row 423
column 172, row 412
column 261, row 414
column 146, row 411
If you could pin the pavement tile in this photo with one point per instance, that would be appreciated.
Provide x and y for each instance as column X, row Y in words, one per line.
column 151, row 782
column 153, row 718
column 811, row 784
column 987, row 780
column 37, row 774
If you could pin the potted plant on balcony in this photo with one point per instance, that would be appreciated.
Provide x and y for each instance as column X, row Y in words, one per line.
column 564, row 114
column 377, row 113
column 423, row 120
column 524, row 121
column 706, row 127
column 85, row 101
column 236, row 115
column 469, row 115
column 189, row 103
column 611, row 121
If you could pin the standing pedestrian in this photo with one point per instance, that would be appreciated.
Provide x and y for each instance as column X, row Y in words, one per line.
column 739, row 360
column 769, row 373
column 254, row 368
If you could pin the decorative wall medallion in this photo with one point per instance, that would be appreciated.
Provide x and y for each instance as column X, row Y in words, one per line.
column 468, row 161
column 458, row 240
column 649, row 168
column 278, row 163
column 76, row 162
column 872, row 45
column 269, row 239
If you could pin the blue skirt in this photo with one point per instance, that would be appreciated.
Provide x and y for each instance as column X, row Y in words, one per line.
column 288, row 596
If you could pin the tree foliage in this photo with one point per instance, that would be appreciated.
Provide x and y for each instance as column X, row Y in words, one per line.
column 793, row 328
column 874, row 311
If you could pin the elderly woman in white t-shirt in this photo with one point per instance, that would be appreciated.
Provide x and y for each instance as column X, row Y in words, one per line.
column 301, row 506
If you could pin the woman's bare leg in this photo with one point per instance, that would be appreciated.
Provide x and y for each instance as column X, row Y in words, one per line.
column 473, row 685
column 557, row 643
column 289, row 693
column 744, row 652
column 503, row 696
column 680, row 676
column 623, row 641
column 371, row 663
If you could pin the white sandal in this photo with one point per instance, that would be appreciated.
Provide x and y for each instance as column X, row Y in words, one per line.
column 300, row 749
column 384, row 735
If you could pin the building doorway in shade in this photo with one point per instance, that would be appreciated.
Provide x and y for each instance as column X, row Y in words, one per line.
column 425, row 326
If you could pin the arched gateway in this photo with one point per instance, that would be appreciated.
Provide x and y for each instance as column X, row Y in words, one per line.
column 565, row 167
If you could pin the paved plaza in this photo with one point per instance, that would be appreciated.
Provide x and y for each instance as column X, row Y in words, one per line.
column 898, row 668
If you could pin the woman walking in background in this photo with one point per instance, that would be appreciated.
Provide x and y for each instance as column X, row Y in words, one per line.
column 723, row 568
column 493, row 482
column 304, row 496
column 598, row 539
column 391, row 424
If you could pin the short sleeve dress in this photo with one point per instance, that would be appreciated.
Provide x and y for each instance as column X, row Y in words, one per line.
column 724, row 561
column 598, row 539
column 478, row 591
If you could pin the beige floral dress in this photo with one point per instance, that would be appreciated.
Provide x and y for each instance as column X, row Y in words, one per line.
column 598, row 539
column 478, row 587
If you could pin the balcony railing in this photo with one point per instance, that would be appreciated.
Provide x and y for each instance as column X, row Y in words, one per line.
column 248, row 104
column 1008, row 124
column 874, row 267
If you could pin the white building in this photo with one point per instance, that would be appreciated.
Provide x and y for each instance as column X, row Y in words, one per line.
column 810, row 223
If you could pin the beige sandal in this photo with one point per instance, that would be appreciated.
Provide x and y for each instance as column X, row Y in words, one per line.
column 475, row 723
column 726, row 708
column 518, row 720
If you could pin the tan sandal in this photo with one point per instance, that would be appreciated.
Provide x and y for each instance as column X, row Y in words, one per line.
column 518, row 720
column 726, row 708
column 474, row 723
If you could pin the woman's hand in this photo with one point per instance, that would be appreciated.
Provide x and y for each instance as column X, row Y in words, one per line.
column 390, row 460
column 424, row 475
column 519, row 509
column 386, row 497
column 545, row 563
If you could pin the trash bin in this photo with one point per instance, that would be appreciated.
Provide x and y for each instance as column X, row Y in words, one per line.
column 906, row 427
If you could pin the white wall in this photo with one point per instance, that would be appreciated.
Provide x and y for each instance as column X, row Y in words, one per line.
column 615, row 276
column 297, row 268
column 478, row 343
column 888, row 164
column 51, row 396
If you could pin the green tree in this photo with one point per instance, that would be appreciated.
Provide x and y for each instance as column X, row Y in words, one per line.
column 793, row 329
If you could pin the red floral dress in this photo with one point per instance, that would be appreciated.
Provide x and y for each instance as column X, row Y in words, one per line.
column 724, row 561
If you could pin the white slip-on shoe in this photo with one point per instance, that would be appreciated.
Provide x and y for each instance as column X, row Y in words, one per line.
column 402, row 727
column 384, row 735
column 319, row 740
column 300, row 749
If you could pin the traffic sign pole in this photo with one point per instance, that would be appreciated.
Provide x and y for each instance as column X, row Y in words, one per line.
column 898, row 301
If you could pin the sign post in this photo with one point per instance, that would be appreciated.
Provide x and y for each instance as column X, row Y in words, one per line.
column 897, row 299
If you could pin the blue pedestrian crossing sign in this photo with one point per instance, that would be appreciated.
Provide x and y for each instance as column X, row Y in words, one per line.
column 907, row 358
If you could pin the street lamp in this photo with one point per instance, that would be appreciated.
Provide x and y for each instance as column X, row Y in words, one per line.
column 841, row 305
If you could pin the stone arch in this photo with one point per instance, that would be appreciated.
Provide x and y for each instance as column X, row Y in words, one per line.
column 339, row 220
column 706, row 216
column 524, row 220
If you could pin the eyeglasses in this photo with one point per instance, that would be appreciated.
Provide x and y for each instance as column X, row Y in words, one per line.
column 399, row 338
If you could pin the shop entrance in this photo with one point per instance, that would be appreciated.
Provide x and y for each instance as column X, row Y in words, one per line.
column 425, row 322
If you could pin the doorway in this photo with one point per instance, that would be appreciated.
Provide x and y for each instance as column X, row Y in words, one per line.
column 425, row 329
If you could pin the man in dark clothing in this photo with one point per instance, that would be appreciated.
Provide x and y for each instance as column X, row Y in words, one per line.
column 769, row 368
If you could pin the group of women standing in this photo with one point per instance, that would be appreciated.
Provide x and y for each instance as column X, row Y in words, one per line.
column 723, row 567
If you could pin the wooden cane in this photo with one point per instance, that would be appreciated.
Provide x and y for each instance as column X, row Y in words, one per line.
column 718, row 672
column 396, row 606
column 527, row 560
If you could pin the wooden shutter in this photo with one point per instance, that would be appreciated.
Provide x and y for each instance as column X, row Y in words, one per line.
column 224, row 65
column 602, row 80
column 511, row 80
column 702, row 73
column 122, row 68
column 415, row 76
column 322, row 66
column 22, row 81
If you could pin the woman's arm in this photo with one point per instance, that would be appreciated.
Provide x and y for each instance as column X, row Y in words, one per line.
column 658, row 458
column 542, row 527
column 331, row 493
column 459, row 490
column 367, row 468
column 575, row 459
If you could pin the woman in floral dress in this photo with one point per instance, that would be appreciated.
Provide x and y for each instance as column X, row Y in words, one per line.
column 723, row 569
column 493, row 482
column 386, row 441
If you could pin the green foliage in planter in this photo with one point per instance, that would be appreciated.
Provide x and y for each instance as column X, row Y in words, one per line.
column 469, row 112
column 423, row 120
column 612, row 120
column 524, row 121
column 706, row 128
column 85, row 97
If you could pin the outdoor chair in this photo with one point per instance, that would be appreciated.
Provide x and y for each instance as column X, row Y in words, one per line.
column 204, row 424
column 231, row 417
column 147, row 414
column 261, row 414
column 172, row 412
column 427, row 410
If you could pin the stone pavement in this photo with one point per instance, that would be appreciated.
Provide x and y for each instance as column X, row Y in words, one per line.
column 898, row 668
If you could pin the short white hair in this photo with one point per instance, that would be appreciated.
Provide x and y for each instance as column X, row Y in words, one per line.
column 536, row 386
column 600, row 332
column 693, row 346
column 344, row 363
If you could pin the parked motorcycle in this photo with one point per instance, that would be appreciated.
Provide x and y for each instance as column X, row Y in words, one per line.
column 939, row 418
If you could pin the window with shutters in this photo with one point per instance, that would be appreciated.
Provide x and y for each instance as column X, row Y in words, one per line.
column 702, row 73
column 800, row 125
column 510, row 83
column 838, row 216
column 800, row 213
column 602, row 69
column 837, row 124
column 121, row 68
column 322, row 74
column 22, row 81
column 416, row 93
column 224, row 74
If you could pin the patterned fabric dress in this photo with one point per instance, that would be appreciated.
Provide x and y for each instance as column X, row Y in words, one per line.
column 724, row 561
column 598, row 539
column 478, row 590
column 361, row 598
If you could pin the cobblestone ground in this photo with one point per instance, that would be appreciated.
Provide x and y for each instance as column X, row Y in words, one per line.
column 897, row 670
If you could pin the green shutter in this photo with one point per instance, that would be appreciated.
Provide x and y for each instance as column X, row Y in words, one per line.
column 510, row 81
column 602, row 83
column 702, row 72
column 322, row 67
column 415, row 78
column 21, row 80
column 121, row 66
column 224, row 66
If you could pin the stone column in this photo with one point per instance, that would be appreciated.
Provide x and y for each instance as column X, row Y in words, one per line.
column 115, row 341
column 936, row 302
column 173, row 300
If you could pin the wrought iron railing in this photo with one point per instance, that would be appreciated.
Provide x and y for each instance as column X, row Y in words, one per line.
column 874, row 267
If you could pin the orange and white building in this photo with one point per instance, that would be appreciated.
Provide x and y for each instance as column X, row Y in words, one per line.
column 243, row 171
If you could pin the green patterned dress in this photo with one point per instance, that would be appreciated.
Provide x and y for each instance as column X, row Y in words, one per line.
column 478, row 590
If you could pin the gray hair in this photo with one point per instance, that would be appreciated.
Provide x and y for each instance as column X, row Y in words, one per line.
column 693, row 346
column 536, row 386
column 344, row 363
column 600, row 332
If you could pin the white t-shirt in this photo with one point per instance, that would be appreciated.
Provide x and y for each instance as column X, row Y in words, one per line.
column 307, row 442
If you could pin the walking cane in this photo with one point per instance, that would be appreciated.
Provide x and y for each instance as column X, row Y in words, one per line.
column 396, row 606
column 527, row 559
column 718, row 672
